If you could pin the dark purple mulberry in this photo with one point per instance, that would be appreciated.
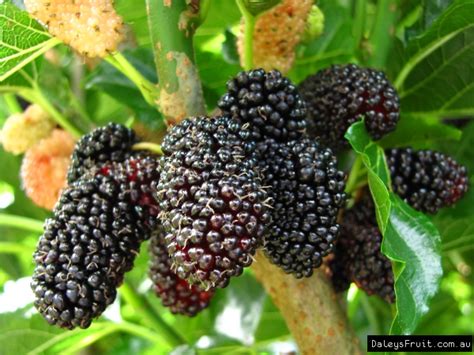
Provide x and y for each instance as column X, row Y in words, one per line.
column 307, row 191
column 426, row 179
column 338, row 96
column 212, row 201
column 86, row 248
column 357, row 256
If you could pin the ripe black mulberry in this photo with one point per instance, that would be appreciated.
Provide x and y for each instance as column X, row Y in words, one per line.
column 307, row 191
column 357, row 256
column 338, row 96
column 212, row 201
column 269, row 102
column 137, row 177
column 426, row 179
column 86, row 248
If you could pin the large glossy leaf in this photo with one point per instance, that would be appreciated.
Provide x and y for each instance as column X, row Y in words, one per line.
column 22, row 40
column 438, row 76
column 410, row 239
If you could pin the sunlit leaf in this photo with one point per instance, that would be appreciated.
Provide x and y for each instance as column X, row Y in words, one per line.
column 22, row 40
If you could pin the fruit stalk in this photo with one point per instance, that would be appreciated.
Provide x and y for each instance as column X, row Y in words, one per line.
column 172, row 24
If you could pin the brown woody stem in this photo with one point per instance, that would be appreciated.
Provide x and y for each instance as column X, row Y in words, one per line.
column 311, row 310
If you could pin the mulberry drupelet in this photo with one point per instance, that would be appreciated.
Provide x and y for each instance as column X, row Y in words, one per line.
column 269, row 102
column 338, row 96
column 308, row 191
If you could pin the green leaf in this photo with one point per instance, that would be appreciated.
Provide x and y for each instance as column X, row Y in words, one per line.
column 108, row 79
column 335, row 46
column 414, row 242
column 438, row 76
column 379, row 176
column 420, row 132
column 410, row 239
column 432, row 9
column 16, row 327
column 22, row 40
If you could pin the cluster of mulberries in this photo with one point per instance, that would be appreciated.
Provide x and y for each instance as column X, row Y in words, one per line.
column 97, row 227
column 338, row 96
column 212, row 201
column 301, row 175
column 175, row 292
column 307, row 190
column 357, row 257
column 251, row 177
column 91, row 27
column 268, row 102
column 277, row 33
column 426, row 179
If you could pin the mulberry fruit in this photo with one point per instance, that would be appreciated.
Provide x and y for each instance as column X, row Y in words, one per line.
column 277, row 33
column 212, row 201
column 22, row 131
column 111, row 143
column 269, row 102
column 338, row 96
column 91, row 27
column 307, row 191
column 175, row 293
column 357, row 255
column 47, row 161
column 426, row 179
column 86, row 248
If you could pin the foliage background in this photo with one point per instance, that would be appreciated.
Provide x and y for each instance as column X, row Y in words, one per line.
column 385, row 34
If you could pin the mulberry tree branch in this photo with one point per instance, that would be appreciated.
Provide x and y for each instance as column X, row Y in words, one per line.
column 172, row 24
column 310, row 308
